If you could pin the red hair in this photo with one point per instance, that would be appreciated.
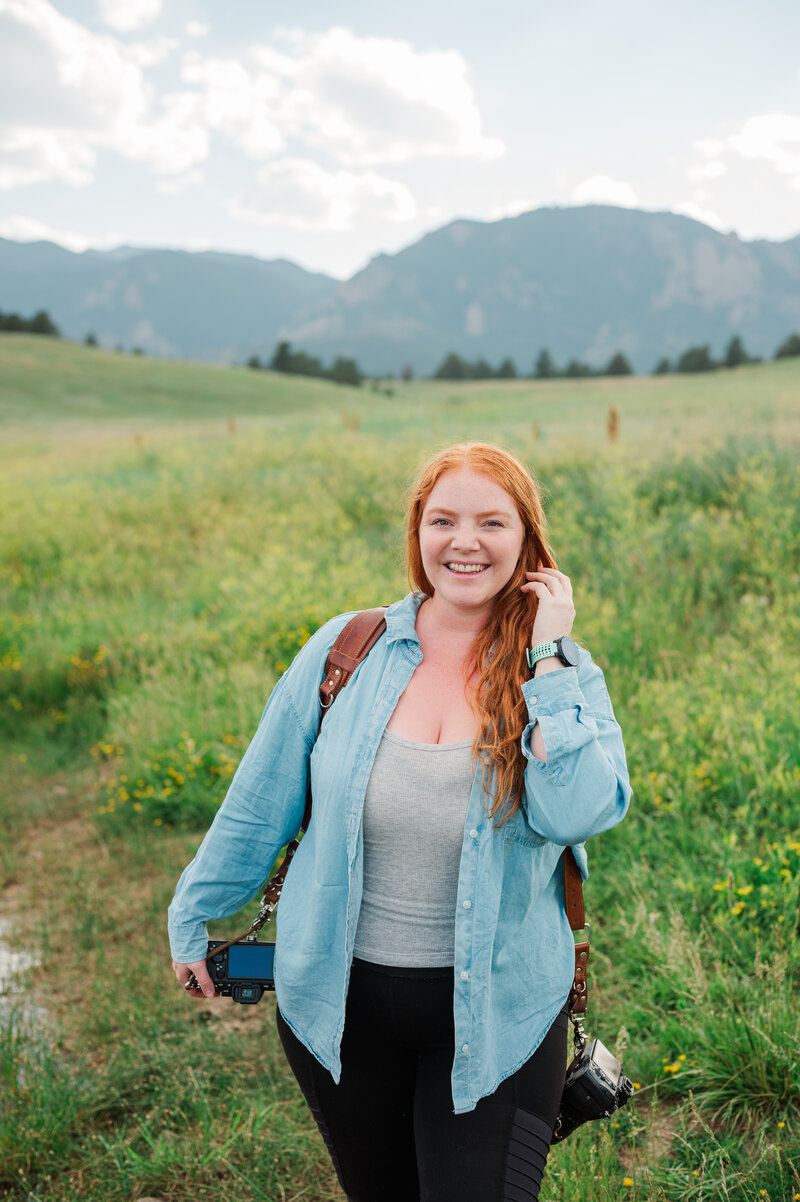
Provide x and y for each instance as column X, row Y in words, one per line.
column 499, row 649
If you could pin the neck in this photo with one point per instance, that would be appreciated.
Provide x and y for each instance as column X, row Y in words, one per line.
column 447, row 621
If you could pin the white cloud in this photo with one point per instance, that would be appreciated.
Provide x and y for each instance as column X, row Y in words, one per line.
column 125, row 15
column 511, row 208
column 378, row 100
column 196, row 29
column 237, row 104
column 66, row 92
column 695, row 209
column 362, row 101
column 602, row 189
column 28, row 229
column 773, row 138
column 302, row 195
column 713, row 169
column 29, row 156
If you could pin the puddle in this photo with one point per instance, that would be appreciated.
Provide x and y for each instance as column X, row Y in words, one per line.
column 15, row 1004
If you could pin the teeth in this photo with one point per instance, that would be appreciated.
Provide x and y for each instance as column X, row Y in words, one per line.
column 470, row 568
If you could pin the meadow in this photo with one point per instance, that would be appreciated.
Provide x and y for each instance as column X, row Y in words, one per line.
column 171, row 534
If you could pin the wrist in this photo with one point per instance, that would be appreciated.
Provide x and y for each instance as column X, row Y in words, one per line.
column 561, row 649
column 550, row 663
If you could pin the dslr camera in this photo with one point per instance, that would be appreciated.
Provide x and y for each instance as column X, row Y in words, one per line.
column 595, row 1087
column 242, row 971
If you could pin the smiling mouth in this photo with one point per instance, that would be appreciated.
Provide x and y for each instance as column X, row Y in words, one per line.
column 467, row 569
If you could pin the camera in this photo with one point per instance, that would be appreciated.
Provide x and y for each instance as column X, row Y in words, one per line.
column 242, row 971
column 595, row 1087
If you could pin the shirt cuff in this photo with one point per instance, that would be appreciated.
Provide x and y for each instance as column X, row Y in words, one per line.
column 188, row 941
column 552, row 693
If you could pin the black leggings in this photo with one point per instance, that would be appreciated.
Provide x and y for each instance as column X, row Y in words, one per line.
column 389, row 1124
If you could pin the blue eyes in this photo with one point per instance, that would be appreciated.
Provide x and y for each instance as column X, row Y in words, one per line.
column 446, row 522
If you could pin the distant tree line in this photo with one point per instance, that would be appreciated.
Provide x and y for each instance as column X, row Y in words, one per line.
column 699, row 358
column 299, row 363
column 40, row 323
column 694, row 359
column 453, row 367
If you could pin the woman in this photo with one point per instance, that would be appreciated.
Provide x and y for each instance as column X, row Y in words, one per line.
column 423, row 953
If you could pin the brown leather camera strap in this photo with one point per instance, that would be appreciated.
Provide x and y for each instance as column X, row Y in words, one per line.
column 350, row 649
column 573, row 904
column 352, row 646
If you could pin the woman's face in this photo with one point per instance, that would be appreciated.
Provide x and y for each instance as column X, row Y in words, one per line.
column 470, row 537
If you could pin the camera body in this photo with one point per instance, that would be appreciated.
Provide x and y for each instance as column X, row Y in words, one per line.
column 243, row 971
column 595, row 1087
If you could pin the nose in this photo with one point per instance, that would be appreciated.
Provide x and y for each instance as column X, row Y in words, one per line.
column 465, row 537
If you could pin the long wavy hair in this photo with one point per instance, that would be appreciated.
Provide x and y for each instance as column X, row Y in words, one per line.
column 499, row 649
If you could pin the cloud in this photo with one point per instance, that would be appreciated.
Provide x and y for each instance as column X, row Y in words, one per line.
column 511, row 208
column 378, row 100
column 196, row 29
column 66, row 92
column 302, row 195
column 602, row 189
column 125, row 15
column 713, row 169
column 696, row 209
column 773, row 138
column 242, row 106
column 362, row 101
column 28, row 229
column 68, row 95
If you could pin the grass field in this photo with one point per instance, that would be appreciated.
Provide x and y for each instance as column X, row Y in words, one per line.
column 170, row 536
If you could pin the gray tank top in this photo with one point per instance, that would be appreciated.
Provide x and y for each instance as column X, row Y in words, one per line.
column 414, row 811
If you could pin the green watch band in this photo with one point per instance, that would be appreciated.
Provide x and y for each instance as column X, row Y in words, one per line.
column 540, row 651
column 562, row 648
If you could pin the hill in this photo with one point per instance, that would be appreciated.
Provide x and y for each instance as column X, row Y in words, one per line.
column 217, row 307
column 584, row 282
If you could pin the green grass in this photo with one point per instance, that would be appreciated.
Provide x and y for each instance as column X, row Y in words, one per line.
column 158, row 571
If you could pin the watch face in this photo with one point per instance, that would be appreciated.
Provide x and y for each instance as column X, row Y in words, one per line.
column 568, row 651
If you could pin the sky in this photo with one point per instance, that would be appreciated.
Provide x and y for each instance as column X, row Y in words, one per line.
column 327, row 134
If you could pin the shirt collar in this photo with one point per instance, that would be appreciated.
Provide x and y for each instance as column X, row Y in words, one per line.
column 401, row 618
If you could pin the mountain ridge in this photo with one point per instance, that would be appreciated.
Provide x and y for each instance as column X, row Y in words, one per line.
column 584, row 281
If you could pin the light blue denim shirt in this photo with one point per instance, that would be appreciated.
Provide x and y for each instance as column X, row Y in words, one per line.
column 514, row 957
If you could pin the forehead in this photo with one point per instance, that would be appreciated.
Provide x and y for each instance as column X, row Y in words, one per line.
column 463, row 490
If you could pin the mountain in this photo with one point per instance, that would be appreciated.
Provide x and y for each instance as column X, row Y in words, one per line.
column 584, row 282
column 169, row 302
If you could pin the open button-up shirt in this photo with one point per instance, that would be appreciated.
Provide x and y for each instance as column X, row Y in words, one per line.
column 514, row 957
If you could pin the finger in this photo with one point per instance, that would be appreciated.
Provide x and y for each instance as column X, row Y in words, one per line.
column 554, row 574
column 195, row 979
column 203, row 980
column 551, row 586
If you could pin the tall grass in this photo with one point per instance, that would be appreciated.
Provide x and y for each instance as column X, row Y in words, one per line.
column 151, row 594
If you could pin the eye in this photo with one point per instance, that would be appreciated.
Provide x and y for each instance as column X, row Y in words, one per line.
column 440, row 522
column 494, row 522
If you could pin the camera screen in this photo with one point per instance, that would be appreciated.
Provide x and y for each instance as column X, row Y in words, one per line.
column 251, row 961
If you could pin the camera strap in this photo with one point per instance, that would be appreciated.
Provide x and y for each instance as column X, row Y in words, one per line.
column 351, row 648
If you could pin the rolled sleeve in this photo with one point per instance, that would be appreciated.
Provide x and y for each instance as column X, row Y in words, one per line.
column 583, row 787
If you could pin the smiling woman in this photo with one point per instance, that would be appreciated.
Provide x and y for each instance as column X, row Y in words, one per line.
column 423, row 955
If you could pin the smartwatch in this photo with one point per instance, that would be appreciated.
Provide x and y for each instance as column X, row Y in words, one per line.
column 563, row 648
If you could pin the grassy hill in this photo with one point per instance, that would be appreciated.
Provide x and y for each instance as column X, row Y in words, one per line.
column 169, row 537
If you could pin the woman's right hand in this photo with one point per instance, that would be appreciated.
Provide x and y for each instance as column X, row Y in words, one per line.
column 199, row 972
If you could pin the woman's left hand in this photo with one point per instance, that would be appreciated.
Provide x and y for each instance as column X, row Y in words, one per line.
column 555, row 611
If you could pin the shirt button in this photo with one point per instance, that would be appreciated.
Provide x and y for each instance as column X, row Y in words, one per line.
column 465, row 1047
column 464, row 975
column 534, row 700
column 467, row 905
column 473, row 834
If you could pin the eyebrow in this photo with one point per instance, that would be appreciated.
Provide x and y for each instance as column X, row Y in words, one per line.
column 489, row 513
